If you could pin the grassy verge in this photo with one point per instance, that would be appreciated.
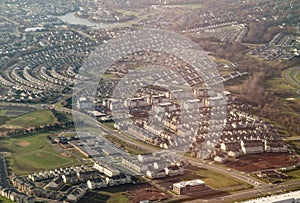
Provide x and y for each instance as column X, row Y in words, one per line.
column 295, row 144
column 294, row 174
column 215, row 179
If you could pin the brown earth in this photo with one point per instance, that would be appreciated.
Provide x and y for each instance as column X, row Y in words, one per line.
column 65, row 155
column 256, row 162
column 146, row 192
column 23, row 144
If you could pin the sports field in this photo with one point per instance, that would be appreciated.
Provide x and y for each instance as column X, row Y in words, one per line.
column 32, row 119
column 33, row 153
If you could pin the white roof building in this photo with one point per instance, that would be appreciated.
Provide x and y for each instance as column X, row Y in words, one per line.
column 292, row 197
column 191, row 186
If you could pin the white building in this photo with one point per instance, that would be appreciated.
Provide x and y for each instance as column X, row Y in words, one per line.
column 187, row 187
column 107, row 170
column 84, row 103
column 292, row 197
column 96, row 183
column 252, row 146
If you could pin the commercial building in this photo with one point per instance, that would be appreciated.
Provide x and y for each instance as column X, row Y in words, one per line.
column 187, row 187
column 292, row 197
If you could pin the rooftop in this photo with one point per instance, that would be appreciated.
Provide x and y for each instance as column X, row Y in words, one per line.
column 277, row 198
column 191, row 182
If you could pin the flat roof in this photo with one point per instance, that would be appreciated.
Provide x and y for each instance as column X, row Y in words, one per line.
column 165, row 104
column 277, row 198
column 191, row 182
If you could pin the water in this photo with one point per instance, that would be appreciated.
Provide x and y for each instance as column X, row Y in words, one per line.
column 70, row 18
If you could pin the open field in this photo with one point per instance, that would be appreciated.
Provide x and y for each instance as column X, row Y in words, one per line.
column 13, row 111
column 295, row 174
column 4, row 200
column 32, row 119
column 125, row 194
column 211, row 178
column 8, row 112
column 278, row 84
column 33, row 153
column 295, row 144
column 262, row 161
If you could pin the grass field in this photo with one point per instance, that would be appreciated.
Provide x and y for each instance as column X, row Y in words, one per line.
column 33, row 153
column 212, row 178
column 8, row 112
column 295, row 174
column 13, row 111
column 278, row 84
column 32, row 119
column 295, row 144
column 4, row 200
column 118, row 198
column 215, row 179
column 105, row 197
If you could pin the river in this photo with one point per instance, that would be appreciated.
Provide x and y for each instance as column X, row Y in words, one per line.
column 72, row 19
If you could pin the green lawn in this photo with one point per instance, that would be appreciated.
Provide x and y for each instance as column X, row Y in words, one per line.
column 215, row 179
column 4, row 200
column 14, row 111
column 294, row 173
column 296, row 143
column 33, row 119
column 33, row 153
column 104, row 196
column 277, row 84
column 118, row 198
column 3, row 119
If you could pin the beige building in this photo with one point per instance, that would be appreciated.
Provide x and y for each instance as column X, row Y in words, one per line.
column 188, row 187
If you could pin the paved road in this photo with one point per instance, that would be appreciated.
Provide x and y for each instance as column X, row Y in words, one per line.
column 294, row 79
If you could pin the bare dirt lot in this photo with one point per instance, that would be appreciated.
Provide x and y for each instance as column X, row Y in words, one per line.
column 23, row 144
column 146, row 192
column 255, row 162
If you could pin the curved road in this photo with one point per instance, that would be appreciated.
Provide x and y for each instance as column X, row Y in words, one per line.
column 293, row 79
